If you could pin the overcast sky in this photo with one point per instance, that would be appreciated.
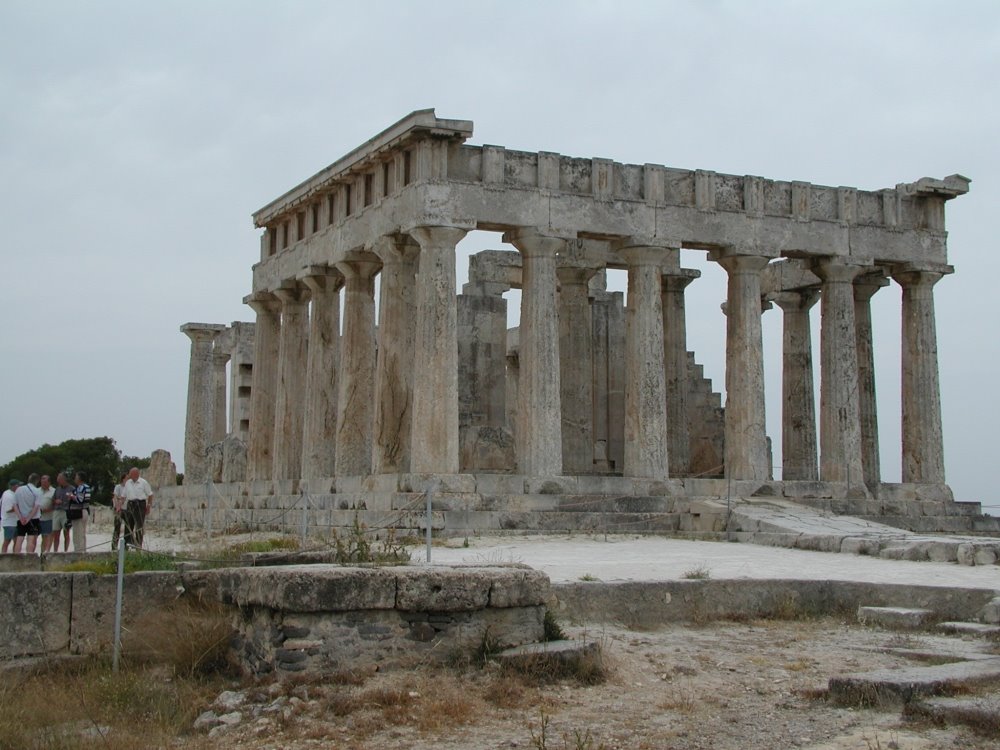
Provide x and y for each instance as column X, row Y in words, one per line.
column 137, row 138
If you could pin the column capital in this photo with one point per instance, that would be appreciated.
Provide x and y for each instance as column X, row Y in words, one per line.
column 321, row 278
column 220, row 356
column 575, row 274
column 866, row 284
column 636, row 255
column 437, row 235
column 292, row 293
column 202, row 332
column 396, row 248
column 838, row 270
column 262, row 303
column 677, row 279
column 797, row 300
column 920, row 274
column 534, row 242
column 357, row 270
column 736, row 265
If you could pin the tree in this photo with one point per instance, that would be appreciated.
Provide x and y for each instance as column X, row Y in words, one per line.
column 98, row 458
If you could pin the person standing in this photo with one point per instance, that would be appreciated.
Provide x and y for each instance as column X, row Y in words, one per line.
column 27, row 501
column 60, row 506
column 8, row 511
column 47, row 494
column 138, row 504
column 79, row 509
column 118, row 503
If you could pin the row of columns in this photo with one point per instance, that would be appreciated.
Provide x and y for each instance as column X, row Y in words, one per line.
column 848, row 424
column 323, row 405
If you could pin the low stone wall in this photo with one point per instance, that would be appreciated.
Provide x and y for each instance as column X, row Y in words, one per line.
column 651, row 604
column 290, row 618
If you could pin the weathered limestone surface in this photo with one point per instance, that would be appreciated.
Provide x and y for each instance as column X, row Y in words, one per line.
column 394, row 364
column 539, row 433
column 200, row 400
column 319, row 438
column 355, row 401
column 923, row 445
column 645, row 385
column 265, row 382
column 576, row 368
column 840, row 408
column 162, row 472
column 675, row 363
column 290, row 404
column 865, row 287
column 746, row 445
column 435, row 377
column 798, row 403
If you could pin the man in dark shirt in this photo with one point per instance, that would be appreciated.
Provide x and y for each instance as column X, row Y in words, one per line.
column 60, row 504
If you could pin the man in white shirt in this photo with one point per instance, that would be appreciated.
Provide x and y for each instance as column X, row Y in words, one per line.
column 138, row 503
column 8, row 512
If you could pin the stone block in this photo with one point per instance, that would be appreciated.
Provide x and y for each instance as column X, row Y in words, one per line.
column 934, row 492
column 901, row 618
column 550, row 485
column 309, row 588
column 350, row 485
column 438, row 589
column 93, row 607
column 34, row 613
column 381, row 483
column 499, row 484
column 985, row 556
column 440, row 482
column 965, row 554
column 860, row 546
column 518, row 587
column 261, row 487
column 796, row 489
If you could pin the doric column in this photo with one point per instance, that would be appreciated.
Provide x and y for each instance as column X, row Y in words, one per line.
column 839, row 405
column 798, row 400
column 394, row 365
column 289, row 415
column 539, row 433
column 746, row 442
column 675, row 365
column 319, row 437
column 864, row 288
column 923, row 442
column 646, row 450
column 576, row 368
column 265, row 383
column 198, row 427
column 220, row 358
column 434, row 444
column 355, row 400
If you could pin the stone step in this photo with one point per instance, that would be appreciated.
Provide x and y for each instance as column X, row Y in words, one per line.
column 898, row 618
column 888, row 686
column 981, row 713
column 980, row 629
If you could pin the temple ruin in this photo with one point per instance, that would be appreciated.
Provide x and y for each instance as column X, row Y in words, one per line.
column 587, row 397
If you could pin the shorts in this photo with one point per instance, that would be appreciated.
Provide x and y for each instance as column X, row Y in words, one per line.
column 31, row 528
column 46, row 526
column 59, row 521
column 9, row 532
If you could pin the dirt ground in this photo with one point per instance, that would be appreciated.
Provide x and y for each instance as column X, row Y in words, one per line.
column 717, row 686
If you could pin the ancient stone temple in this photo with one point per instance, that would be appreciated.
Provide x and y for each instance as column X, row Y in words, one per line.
column 588, row 397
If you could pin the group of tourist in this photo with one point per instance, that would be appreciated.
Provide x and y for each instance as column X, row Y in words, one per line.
column 37, row 509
